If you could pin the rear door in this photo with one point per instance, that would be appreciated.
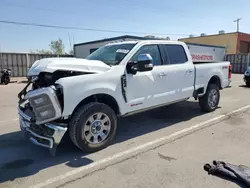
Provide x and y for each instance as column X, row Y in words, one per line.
column 180, row 72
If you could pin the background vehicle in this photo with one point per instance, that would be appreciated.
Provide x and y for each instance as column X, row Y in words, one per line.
column 5, row 76
column 247, row 77
column 85, row 96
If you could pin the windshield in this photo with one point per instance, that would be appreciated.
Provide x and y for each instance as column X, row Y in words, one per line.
column 111, row 54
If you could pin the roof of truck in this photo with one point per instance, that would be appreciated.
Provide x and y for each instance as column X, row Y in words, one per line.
column 116, row 38
column 163, row 41
column 146, row 42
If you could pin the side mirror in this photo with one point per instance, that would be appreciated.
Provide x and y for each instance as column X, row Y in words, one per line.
column 143, row 64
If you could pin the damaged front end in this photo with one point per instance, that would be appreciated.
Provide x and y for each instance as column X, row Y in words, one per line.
column 40, row 114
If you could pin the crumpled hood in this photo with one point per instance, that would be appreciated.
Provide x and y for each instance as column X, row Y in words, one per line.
column 71, row 64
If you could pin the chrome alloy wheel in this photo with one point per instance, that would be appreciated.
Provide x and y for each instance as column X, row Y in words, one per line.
column 213, row 98
column 97, row 128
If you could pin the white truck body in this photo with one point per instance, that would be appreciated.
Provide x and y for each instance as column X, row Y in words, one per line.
column 165, row 84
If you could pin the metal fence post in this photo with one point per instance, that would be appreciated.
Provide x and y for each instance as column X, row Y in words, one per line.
column 27, row 61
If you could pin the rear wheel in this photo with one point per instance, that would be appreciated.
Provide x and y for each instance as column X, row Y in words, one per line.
column 93, row 127
column 248, row 84
column 209, row 102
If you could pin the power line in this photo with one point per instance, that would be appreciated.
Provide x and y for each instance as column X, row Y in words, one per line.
column 126, row 1
column 179, row 15
column 83, row 29
column 37, row 8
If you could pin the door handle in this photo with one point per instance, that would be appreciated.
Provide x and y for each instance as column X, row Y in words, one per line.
column 189, row 71
column 163, row 74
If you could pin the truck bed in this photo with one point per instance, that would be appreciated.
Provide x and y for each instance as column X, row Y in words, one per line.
column 205, row 71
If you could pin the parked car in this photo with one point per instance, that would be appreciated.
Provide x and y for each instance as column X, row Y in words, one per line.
column 85, row 96
column 247, row 77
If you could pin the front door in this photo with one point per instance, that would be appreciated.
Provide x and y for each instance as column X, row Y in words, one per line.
column 146, row 89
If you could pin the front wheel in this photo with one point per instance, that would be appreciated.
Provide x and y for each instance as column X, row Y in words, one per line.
column 93, row 127
column 248, row 84
column 209, row 102
column 5, row 80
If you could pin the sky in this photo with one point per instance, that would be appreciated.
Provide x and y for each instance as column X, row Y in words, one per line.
column 162, row 18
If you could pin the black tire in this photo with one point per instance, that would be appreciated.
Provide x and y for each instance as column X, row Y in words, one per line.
column 6, row 81
column 248, row 84
column 204, row 100
column 77, row 124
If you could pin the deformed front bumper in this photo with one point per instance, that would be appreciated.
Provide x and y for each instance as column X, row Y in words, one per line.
column 42, row 130
column 48, row 135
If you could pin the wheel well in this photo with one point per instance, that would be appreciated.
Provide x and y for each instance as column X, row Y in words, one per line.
column 215, row 80
column 102, row 98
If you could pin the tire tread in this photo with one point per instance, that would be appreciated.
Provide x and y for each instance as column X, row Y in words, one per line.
column 203, row 101
column 77, row 117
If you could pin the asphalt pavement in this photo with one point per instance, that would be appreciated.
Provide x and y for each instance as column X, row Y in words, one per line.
column 179, row 164
column 173, row 164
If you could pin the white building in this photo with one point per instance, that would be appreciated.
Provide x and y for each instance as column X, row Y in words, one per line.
column 82, row 50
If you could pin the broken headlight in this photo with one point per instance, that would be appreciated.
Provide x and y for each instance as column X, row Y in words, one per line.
column 39, row 100
column 45, row 104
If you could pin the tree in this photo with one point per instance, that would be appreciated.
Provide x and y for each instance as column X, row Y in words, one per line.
column 57, row 46
column 43, row 52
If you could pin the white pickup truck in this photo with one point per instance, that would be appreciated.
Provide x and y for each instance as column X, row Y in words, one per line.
column 85, row 96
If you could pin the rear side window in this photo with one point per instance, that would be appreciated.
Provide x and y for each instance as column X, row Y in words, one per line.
column 175, row 54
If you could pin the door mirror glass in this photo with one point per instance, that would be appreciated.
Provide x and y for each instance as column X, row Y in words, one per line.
column 144, row 63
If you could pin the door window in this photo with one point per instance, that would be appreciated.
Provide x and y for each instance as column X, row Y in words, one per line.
column 175, row 54
column 153, row 50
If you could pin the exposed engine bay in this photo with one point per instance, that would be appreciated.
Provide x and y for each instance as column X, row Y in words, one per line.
column 47, row 79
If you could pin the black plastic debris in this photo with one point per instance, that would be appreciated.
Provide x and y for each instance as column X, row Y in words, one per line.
column 235, row 173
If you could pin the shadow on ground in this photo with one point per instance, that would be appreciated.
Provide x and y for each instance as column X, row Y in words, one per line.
column 11, row 82
column 245, row 86
column 23, row 82
column 19, row 158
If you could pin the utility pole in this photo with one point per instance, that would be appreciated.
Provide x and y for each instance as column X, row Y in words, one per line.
column 238, row 23
column 70, row 44
column 1, row 57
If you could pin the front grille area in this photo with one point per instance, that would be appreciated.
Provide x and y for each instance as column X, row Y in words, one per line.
column 42, row 130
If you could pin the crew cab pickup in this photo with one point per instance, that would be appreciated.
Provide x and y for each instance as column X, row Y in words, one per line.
column 85, row 96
